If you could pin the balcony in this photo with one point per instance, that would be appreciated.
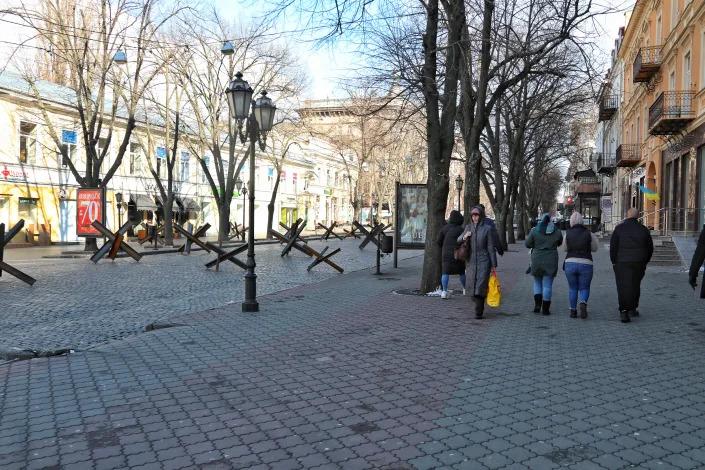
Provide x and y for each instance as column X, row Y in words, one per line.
column 628, row 155
column 606, row 163
column 608, row 106
column 671, row 113
column 647, row 63
column 588, row 184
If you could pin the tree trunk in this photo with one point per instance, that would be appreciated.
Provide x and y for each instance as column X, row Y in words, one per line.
column 511, row 238
column 437, row 200
column 224, row 220
column 168, row 224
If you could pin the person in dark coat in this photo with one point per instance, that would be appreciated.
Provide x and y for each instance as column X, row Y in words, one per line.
column 495, row 233
column 483, row 259
column 544, row 240
column 448, row 240
column 631, row 248
column 696, row 264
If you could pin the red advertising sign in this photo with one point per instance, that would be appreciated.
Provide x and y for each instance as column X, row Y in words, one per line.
column 90, row 206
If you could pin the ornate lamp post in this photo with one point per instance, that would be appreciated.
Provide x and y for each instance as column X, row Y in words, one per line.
column 259, row 123
column 459, row 187
column 238, row 185
column 118, row 199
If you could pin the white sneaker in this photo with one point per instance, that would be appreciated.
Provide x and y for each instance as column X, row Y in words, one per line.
column 444, row 294
column 463, row 290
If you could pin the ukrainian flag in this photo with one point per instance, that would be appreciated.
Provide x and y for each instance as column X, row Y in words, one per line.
column 650, row 195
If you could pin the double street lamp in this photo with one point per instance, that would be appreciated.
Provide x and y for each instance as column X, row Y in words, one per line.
column 238, row 185
column 259, row 123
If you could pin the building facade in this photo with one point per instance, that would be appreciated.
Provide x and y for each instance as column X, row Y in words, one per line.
column 662, row 153
column 37, row 187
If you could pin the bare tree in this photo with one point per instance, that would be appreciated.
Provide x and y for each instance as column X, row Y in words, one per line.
column 85, row 38
column 204, row 74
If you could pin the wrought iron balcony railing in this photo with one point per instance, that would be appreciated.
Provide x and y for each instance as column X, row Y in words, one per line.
column 628, row 155
column 647, row 63
column 608, row 106
column 671, row 112
column 606, row 163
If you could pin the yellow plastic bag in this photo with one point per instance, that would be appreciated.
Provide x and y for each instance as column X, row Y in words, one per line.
column 494, row 293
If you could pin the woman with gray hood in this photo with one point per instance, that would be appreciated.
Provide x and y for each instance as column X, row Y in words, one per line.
column 483, row 259
column 580, row 244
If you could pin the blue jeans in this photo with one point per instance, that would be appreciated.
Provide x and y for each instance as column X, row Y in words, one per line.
column 446, row 277
column 579, row 277
column 543, row 285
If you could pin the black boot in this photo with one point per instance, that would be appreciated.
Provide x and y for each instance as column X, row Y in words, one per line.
column 624, row 316
column 537, row 303
column 479, row 307
column 583, row 310
column 573, row 313
column 546, row 307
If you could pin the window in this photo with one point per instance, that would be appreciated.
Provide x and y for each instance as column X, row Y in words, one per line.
column 135, row 159
column 659, row 28
column 674, row 14
column 335, row 180
column 28, row 142
column 702, row 61
column 672, row 81
column 638, row 129
column 646, row 122
column 327, row 177
column 185, row 166
column 686, row 72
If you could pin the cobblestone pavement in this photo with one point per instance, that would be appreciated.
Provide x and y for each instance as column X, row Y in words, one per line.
column 76, row 304
column 344, row 374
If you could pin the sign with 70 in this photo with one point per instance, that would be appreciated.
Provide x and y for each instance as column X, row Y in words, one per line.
column 91, row 206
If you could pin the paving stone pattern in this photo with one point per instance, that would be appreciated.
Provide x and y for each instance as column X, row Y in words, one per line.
column 344, row 374
column 76, row 304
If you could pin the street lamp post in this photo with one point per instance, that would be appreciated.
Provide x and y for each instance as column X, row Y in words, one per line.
column 118, row 199
column 459, row 187
column 259, row 123
column 238, row 185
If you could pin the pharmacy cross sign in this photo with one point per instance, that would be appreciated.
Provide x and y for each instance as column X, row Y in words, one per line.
column 5, row 172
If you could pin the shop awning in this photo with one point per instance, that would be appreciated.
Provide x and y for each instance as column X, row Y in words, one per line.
column 144, row 202
column 190, row 205
column 174, row 205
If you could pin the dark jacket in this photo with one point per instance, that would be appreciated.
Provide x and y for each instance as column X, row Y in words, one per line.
column 495, row 236
column 447, row 239
column 698, row 260
column 579, row 242
column 482, row 257
column 631, row 243
column 544, row 253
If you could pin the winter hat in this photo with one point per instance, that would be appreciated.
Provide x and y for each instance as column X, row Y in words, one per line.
column 456, row 218
column 576, row 219
column 475, row 210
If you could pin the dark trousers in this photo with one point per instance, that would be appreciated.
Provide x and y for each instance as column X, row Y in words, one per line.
column 629, row 276
column 479, row 305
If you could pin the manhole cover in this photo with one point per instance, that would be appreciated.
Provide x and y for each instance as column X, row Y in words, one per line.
column 409, row 292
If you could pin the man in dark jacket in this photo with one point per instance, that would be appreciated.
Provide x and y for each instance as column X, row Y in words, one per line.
column 631, row 248
column 495, row 233
column 696, row 264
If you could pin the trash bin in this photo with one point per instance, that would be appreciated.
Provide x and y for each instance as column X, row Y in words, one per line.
column 387, row 245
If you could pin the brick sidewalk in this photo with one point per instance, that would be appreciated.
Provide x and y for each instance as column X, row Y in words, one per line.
column 344, row 374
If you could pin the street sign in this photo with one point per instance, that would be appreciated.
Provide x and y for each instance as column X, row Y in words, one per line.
column 90, row 204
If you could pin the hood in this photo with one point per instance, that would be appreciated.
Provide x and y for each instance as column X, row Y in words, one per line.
column 456, row 218
column 546, row 226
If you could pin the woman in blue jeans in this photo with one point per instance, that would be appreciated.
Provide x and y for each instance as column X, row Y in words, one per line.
column 544, row 239
column 580, row 244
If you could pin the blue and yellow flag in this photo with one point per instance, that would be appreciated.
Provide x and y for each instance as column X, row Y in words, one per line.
column 650, row 195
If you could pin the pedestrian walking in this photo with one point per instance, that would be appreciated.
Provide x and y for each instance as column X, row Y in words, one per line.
column 697, row 263
column 448, row 241
column 579, row 244
column 544, row 240
column 495, row 233
column 483, row 259
column 631, row 248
